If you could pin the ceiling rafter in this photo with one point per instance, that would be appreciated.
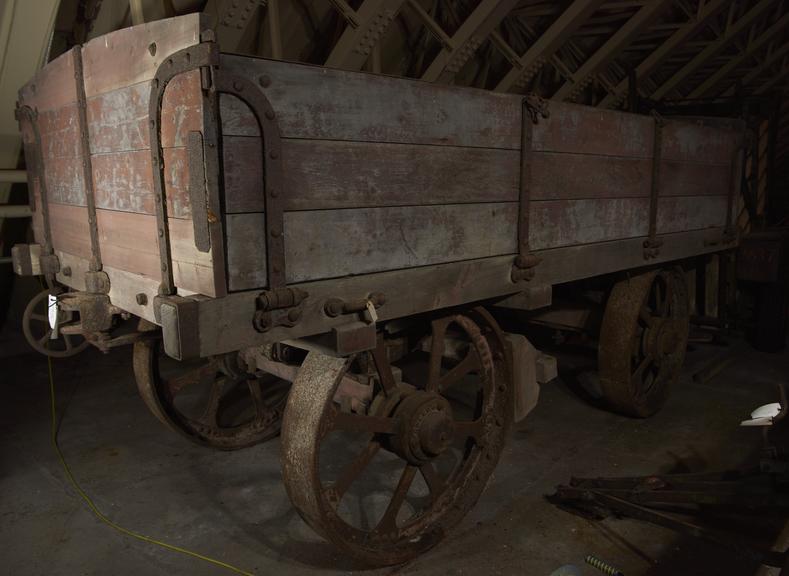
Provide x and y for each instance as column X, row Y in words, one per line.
column 548, row 43
column 731, row 31
column 767, row 86
column 603, row 56
column 706, row 11
column 365, row 28
column 468, row 38
column 756, row 44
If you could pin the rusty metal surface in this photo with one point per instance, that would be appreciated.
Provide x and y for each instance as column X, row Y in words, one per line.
column 38, row 333
column 416, row 423
column 652, row 244
column 220, row 385
column 642, row 341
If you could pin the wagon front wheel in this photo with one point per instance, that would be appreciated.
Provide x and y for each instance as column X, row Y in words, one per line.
column 383, row 453
column 643, row 340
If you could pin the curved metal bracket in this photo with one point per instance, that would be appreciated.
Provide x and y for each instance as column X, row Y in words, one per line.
column 205, row 54
column 251, row 94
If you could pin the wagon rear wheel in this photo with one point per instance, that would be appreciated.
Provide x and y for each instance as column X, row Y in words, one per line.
column 642, row 341
column 38, row 332
column 387, row 475
column 212, row 401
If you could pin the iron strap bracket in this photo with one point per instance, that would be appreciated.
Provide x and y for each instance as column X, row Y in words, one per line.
column 251, row 94
column 532, row 109
column 87, row 169
column 652, row 244
column 203, row 55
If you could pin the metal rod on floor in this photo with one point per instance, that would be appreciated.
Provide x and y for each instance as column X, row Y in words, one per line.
column 5, row 259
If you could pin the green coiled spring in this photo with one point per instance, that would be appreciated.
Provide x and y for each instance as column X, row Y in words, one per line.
column 604, row 567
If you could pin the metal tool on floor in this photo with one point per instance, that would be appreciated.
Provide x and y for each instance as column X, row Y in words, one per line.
column 602, row 566
column 667, row 500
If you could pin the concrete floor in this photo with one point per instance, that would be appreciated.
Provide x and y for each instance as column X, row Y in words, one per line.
column 233, row 506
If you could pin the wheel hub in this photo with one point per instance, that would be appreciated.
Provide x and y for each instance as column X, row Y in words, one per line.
column 425, row 427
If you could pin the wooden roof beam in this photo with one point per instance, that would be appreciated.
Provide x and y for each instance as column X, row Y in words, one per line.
column 585, row 74
column 366, row 26
column 757, row 43
column 706, row 11
column 767, row 86
column 548, row 43
column 771, row 59
column 730, row 33
column 468, row 38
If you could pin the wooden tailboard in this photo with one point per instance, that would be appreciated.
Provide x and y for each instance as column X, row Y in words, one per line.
column 118, row 69
column 384, row 173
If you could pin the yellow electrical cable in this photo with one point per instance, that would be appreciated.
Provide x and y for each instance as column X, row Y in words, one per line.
column 98, row 512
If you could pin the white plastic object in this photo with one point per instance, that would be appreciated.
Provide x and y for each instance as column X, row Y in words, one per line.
column 52, row 315
column 763, row 415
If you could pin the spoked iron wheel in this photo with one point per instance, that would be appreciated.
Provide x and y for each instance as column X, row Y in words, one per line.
column 214, row 401
column 38, row 332
column 386, row 476
column 643, row 340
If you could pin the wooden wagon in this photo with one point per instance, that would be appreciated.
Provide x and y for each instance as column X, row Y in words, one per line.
column 273, row 222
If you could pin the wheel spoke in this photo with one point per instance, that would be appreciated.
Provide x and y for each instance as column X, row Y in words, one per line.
column 434, row 482
column 388, row 521
column 666, row 303
column 465, row 366
column 383, row 367
column 211, row 412
column 350, row 422
column 202, row 375
column 45, row 337
column 256, row 391
column 352, row 470
column 67, row 342
column 39, row 318
column 468, row 429
column 439, row 329
column 645, row 315
column 642, row 366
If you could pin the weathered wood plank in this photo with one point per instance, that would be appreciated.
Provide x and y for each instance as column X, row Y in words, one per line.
column 322, row 103
column 325, row 174
column 53, row 86
column 690, row 179
column 567, row 175
column 126, row 57
column 566, row 222
column 129, row 242
column 224, row 323
column 118, row 120
column 236, row 118
column 329, row 243
column 124, row 181
column 60, row 134
column 65, row 181
column 683, row 213
column 70, row 232
column 694, row 142
column 243, row 174
column 582, row 129
column 246, row 253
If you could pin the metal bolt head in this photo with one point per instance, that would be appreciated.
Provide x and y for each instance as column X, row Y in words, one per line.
column 67, row 271
column 294, row 315
column 142, row 299
column 264, row 81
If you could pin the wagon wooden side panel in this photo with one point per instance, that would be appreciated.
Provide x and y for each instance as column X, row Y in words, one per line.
column 383, row 174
